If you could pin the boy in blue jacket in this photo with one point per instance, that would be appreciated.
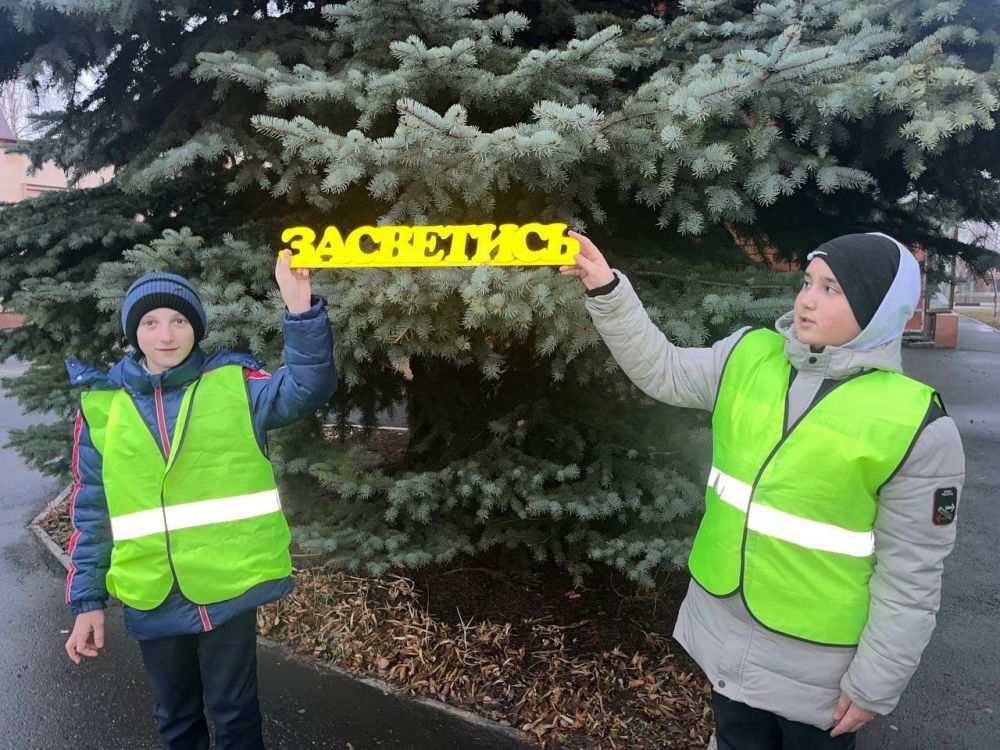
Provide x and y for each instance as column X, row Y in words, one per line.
column 175, row 508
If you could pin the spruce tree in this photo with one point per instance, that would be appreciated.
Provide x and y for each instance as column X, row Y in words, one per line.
column 672, row 134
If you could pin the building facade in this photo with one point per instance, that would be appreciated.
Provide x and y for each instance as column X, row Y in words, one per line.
column 18, row 184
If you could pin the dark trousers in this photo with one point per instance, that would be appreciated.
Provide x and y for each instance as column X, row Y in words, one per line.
column 214, row 671
column 740, row 727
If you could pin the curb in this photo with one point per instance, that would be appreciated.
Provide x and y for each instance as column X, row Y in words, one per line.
column 385, row 687
column 390, row 689
column 35, row 526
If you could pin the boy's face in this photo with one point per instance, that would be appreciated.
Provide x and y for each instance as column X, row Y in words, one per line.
column 823, row 316
column 165, row 337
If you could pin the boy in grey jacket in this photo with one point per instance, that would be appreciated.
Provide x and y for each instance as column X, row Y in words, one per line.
column 779, row 685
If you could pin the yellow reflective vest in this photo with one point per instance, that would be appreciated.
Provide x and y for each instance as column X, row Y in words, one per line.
column 789, row 516
column 207, row 515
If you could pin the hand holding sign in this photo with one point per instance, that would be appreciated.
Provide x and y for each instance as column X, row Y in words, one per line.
column 590, row 265
column 293, row 283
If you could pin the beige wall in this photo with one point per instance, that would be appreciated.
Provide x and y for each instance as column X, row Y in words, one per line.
column 16, row 184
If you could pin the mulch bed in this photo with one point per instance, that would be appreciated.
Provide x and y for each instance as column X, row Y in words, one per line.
column 574, row 669
column 569, row 668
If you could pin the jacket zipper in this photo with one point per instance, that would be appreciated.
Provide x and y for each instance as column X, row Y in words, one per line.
column 161, row 421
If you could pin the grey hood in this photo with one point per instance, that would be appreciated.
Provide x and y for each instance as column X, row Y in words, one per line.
column 879, row 345
column 839, row 362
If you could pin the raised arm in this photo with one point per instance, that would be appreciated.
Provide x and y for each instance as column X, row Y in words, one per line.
column 676, row 375
column 308, row 377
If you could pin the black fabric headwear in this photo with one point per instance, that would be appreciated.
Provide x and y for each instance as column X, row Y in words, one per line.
column 865, row 266
column 162, row 290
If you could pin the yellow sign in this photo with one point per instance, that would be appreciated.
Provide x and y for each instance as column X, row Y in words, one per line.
column 441, row 246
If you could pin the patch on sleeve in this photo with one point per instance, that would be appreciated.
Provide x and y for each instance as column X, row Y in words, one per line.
column 945, row 505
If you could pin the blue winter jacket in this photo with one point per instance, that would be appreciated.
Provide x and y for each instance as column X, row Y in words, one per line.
column 293, row 392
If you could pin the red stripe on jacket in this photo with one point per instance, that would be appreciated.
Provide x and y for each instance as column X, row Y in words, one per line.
column 77, row 429
column 205, row 622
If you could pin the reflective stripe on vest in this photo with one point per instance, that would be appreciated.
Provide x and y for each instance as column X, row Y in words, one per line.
column 208, row 516
column 789, row 516
column 158, row 520
column 791, row 528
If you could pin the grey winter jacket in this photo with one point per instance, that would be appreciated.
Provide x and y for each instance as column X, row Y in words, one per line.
column 743, row 660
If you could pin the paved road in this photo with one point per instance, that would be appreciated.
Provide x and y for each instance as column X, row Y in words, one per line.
column 953, row 702
column 104, row 704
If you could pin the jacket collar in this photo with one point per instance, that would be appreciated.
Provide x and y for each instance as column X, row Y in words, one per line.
column 836, row 362
column 129, row 373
